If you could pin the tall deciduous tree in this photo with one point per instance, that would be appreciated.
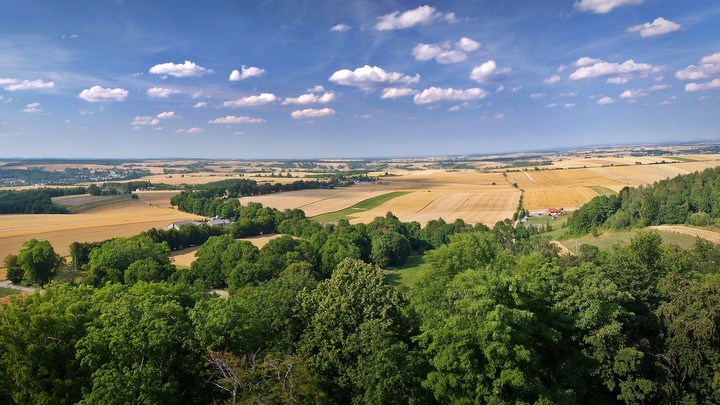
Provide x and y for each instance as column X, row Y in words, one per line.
column 38, row 261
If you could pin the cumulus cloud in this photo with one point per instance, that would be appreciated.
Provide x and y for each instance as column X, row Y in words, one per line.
column 368, row 77
column 585, row 61
column 570, row 94
column 144, row 121
column 247, row 72
column 231, row 119
column 316, row 89
column 602, row 69
column 657, row 87
column 30, row 85
column 32, row 108
column 709, row 66
column 569, row 105
column 632, row 94
column 310, row 98
column 187, row 69
column 96, row 94
column 167, row 115
column 711, row 85
column 200, row 105
column 446, row 52
column 160, row 92
column 312, row 113
column 489, row 72
column 249, row 101
column 551, row 105
column 193, row 130
column 618, row 80
column 660, row 26
column 552, row 79
column 606, row 101
column 6, row 80
column 435, row 94
column 396, row 92
column 340, row 28
column 603, row 6
column 422, row 15
column 538, row 95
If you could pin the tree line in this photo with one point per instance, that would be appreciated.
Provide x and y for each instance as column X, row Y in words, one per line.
column 36, row 201
column 692, row 198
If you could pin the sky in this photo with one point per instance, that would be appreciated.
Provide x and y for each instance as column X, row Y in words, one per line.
column 304, row 79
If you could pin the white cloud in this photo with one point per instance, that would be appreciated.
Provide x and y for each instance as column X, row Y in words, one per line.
column 551, row 105
column 422, row 15
column 538, row 95
column 340, row 28
column 569, row 105
column 585, row 61
column 488, row 72
column 446, row 52
column 455, row 108
column 312, row 113
column 603, row 6
column 618, row 80
column 316, row 89
column 668, row 101
column 32, row 108
column 606, row 101
column 602, row 68
column 264, row 98
column 247, row 72
column 367, row 77
column 231, row 119
column 435, row 94
column 570, row 94
column 187, row 69
column 144, row 121
column 660, row 26
column 632, row 94
column 167, row 115
column 193, row 130
column 97, row 94
column 709, row 66
column 311, row 98
column 6, row 80
column 395, row 92
column 657, row 87
column 552, row 79
column 30, row 85
column 200, row 105
column 499, row 116
column 160, row 92
column 561, row 68
column 712, row 85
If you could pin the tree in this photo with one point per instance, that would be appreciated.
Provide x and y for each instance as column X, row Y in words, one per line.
column 356, row 340
column 38, row 261
column 333, row 251
column 15, row 272
column 109, row 262
column 390, row 249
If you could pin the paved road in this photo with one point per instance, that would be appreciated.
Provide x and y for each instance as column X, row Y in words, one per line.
column 10, row 285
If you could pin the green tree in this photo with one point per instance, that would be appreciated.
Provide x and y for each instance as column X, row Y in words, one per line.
column 390, row 249
column 109, row 262
column 38, row 261
column 335, row 250
column 15, row 272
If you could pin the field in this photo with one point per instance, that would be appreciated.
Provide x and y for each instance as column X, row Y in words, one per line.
column 123, row 219
column 606, row 240
column 364, row 205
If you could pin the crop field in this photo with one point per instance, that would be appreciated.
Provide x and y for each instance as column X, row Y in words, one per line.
column 124, row 219
column 159, row 199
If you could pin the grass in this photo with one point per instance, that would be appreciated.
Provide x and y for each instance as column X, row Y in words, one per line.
column 607, row 239
column 602, row 190
column 408, row 274
column 363, row 205
column 6, row 292
column 543, row 220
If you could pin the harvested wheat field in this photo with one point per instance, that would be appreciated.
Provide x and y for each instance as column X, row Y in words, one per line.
column 159, row 199
column 713, row 237
column 126, row 219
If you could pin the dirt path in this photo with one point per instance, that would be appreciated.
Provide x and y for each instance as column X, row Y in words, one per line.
column 713, row 237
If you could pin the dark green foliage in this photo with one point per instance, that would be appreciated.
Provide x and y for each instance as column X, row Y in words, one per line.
column 109, row 262
column 36, row 201
column 39, row 261
column 390, row 249
column 15, row 272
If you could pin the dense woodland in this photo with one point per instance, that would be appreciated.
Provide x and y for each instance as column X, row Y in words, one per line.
column 692, row 198
column 36, row 201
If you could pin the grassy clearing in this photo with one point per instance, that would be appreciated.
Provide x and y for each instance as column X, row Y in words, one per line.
column 6, row 292
column 363, row 205
column 607, row 239
column 681, row 159
column 602, row 190
column 543, row 220
column 408, row 274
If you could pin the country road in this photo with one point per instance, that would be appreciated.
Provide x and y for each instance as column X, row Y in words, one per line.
column 10, row 285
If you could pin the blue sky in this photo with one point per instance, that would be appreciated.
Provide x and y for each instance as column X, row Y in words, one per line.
column 322, row 79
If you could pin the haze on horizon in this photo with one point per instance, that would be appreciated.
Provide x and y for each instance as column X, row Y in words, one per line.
column 305, row 79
